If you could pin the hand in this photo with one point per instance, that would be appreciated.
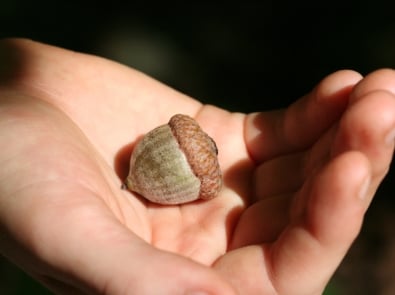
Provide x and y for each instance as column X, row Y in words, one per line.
column 296, row 182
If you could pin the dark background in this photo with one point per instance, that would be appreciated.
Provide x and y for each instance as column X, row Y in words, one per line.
column 245, row 57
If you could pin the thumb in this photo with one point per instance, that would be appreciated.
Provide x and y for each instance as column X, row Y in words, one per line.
column 317, row 242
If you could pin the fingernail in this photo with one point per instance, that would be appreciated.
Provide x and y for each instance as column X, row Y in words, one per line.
column 364, row 188
column 196, row 293
column 390, row 138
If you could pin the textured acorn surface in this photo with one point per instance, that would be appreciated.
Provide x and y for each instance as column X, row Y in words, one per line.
column 175, row 163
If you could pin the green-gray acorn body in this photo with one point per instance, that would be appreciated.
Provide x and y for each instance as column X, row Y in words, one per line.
column 175, row 163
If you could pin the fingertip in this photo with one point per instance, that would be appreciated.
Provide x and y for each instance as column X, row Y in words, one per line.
column 257, row 130
column 382, row 79
column 369, row 126
column 337, row 85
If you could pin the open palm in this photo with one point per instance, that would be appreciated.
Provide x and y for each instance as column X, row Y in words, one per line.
column 296, row 182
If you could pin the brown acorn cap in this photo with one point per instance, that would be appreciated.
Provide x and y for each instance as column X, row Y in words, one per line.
column 201, row 153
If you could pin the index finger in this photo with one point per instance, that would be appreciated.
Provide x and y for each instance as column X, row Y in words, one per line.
column 270, row 134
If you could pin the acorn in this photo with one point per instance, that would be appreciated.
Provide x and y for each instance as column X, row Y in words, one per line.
column 175, row 163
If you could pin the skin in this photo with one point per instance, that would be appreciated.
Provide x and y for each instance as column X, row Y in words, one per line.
column 297, row 181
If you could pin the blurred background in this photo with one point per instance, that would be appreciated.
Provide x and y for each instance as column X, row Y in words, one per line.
column 242, row 57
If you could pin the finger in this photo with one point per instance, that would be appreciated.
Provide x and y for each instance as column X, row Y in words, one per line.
column 306, row 254
column 308, row 251
column 279, row 176
column 286, row 174
column 318, row 238
column 262, row 222
column 382, row 79
column 273, row 133
column 275, row 183
column 85, row 248
column 369, row 127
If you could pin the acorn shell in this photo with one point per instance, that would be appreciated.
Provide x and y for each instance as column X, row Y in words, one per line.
column 175, row 163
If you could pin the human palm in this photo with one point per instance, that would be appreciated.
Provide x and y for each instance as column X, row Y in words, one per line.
column 292, row 202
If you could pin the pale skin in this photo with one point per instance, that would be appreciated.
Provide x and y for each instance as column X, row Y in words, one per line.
column 297, row 182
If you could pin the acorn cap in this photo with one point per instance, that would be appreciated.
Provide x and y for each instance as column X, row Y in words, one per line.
column 201, row 153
